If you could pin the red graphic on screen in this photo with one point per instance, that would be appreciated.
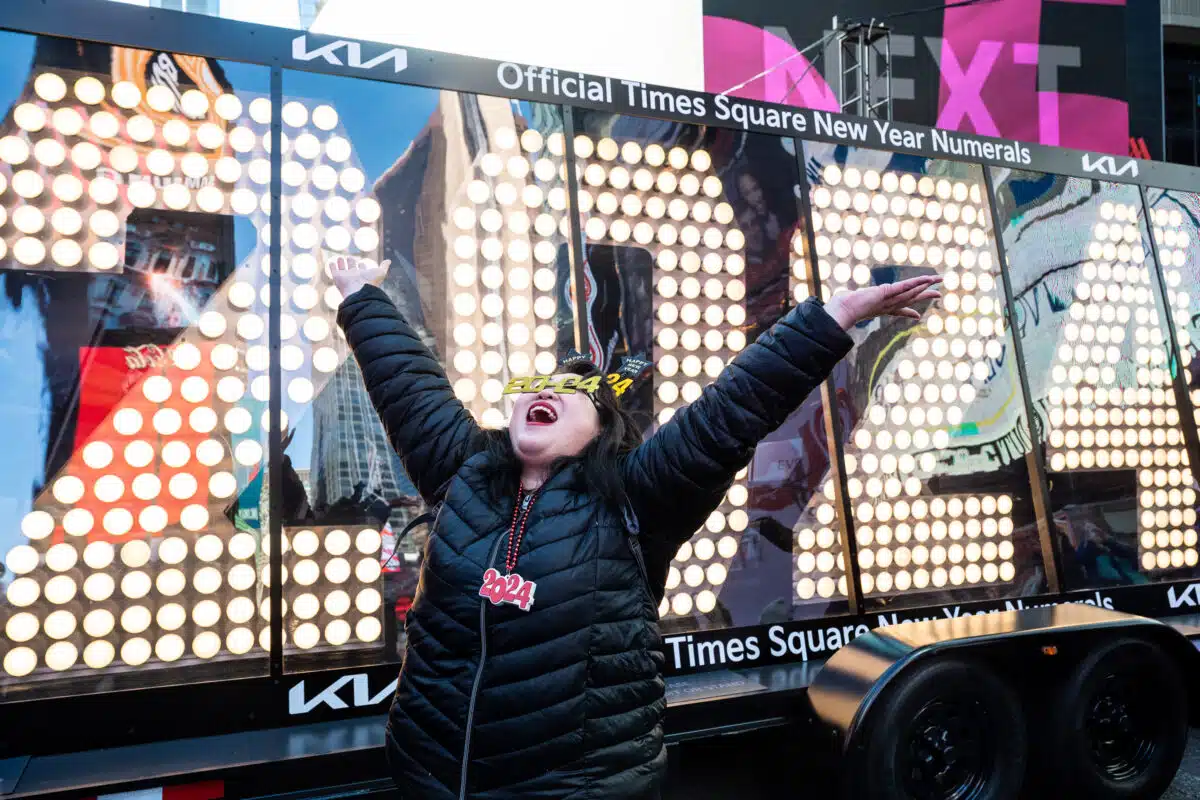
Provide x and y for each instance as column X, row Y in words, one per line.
column 113, row 381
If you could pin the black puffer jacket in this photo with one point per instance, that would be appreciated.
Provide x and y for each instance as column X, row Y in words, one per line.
column 564, row 700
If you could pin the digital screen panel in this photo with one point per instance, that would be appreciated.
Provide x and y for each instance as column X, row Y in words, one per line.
column 935, row 435
column 699, row 225
column 132, row 516
column 1097, row 357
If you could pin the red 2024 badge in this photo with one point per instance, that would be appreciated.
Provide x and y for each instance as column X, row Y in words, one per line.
column 512, row 589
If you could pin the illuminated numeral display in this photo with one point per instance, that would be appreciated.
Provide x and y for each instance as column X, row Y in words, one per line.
column 1102, row 417
column 1096, row 350
column 933, row 394
column 507, row 224
column 129, row 559
column 669, row 201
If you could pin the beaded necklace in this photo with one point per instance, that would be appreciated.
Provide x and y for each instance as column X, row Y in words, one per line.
column 510, row 587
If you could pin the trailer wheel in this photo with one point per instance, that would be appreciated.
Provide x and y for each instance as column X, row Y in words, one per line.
column 1120, row 725
column 948, row 730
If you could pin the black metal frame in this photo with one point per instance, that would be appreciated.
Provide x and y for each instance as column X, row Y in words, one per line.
column 275, row 379
column 574, row 233
column 213, row 37
column 68, row 723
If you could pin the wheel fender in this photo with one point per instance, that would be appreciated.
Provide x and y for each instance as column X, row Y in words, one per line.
column 850, row 684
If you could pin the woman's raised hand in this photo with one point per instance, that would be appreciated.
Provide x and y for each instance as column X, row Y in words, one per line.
column 889, row 299
column 351, row 274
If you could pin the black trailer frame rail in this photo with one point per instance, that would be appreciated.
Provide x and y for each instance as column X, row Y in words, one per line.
column 752, row 700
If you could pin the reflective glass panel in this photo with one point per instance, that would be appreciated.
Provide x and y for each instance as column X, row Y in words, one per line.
column 1175, row 219
column 464, row 196
column 688, row 237
column 933, row 422
column 132, row 508
column 1096, row 353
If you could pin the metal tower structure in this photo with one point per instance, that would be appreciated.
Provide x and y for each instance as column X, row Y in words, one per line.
column 864, row 69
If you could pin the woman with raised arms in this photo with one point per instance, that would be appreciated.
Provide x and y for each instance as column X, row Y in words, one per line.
column 533, row 661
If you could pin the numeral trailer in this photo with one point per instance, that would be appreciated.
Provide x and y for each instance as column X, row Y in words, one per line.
column 965, row 566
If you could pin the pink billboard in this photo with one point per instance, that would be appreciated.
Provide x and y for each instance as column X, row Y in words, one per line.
column 1011, row 69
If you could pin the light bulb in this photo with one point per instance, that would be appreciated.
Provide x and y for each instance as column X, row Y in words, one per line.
column 368, row 629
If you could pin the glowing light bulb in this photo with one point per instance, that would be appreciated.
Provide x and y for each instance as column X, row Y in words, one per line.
column 30, row 117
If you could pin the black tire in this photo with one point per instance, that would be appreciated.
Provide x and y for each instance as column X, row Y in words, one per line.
column 947, row 730
column 1120, row 725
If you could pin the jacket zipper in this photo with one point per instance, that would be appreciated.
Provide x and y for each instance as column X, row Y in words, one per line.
column 633, row 538
column 636, row 546
column 462, row 779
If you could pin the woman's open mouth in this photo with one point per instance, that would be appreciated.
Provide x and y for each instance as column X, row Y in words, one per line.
column 541, row 413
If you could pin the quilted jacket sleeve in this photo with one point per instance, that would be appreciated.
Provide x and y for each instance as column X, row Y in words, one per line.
column 427, row 425
column 677, row 477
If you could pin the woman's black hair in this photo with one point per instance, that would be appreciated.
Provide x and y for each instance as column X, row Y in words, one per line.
column 598, row 473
